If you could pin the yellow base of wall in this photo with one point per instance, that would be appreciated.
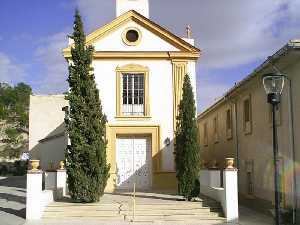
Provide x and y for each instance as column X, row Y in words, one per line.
column 165, row 181
column 162, row 181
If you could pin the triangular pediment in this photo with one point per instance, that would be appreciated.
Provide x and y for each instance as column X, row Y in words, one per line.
column 159, row 38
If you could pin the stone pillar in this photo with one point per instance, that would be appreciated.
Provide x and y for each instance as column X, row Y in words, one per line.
column 34, row 194
column 231, row 194
column 61, row 183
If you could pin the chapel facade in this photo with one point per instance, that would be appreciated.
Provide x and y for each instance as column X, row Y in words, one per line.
column 139, row 68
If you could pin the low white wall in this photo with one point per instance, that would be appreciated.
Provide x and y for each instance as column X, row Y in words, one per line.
column 37, row 199
column 210, row 178
column 210, row 182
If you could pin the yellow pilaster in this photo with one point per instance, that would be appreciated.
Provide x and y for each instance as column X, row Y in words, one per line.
column 179, row 71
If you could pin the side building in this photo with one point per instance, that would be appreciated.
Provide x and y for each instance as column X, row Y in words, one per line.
column 239, row 125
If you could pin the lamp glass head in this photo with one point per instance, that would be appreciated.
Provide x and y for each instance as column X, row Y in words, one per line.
column 273, row 83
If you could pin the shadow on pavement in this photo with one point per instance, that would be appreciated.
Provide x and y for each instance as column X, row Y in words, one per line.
column 14, row 181
column 20, row 213
column 12, row 199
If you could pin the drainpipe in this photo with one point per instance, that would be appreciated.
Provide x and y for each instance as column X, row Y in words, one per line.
column 292, row 137
column 237, row 149
column 292, row 141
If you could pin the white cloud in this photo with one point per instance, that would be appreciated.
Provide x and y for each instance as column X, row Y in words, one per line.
column 210, row 89
column 213, row 92
column 96, row 13
column 11, row 71
column 49, row 54
column 231, row 33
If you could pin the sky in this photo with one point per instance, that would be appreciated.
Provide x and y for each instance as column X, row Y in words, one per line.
column 235, row 36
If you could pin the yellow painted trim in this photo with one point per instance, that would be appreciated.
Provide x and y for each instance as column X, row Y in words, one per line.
column 113, row 130
column 124, row 38
column 130, row 118
column 132, row 68
column 141, row 55
column 165, row 181
column 165, row 172
column 144, row 22
column 179, row 71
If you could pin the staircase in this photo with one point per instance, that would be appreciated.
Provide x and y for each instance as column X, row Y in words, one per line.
column 149, row 208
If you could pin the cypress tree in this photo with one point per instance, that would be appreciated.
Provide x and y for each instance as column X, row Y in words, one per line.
column 86, row 165
column 187, row 154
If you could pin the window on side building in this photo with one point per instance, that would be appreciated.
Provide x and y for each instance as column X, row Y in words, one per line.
column 229, row 123
column 215, row 129
column 247, row 108
column 205, row 135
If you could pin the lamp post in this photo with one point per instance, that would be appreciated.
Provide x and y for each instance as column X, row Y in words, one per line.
column 273, row 84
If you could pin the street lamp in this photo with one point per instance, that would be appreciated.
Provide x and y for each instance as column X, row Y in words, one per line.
column 273, row 84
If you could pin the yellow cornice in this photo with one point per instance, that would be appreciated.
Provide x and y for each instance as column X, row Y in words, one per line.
column 143, row 21
column 141, row 55
column 132, row 68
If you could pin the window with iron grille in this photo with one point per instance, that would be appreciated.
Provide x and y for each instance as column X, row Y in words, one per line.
column 133, row 94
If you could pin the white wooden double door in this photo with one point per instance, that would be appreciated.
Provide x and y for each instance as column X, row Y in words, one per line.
column 133, row 158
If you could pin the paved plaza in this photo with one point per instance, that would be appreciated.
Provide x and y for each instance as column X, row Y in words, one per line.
column 12, row 200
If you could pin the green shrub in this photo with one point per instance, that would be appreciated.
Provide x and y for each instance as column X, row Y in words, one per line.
column 86, row 155
column 187, row 153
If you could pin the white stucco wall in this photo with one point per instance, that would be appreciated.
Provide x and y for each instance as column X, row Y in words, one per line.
column 160, row 82
column 46, row 120
column 149, row 41
column 160, row 94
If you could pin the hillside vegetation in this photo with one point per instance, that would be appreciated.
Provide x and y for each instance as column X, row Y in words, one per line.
column 14, row 110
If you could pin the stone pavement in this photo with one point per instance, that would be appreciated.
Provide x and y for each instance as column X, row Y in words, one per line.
column 251, row 217
column 247, row 217
column 13, row 198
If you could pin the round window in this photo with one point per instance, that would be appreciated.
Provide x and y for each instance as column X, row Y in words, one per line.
column 131, row 36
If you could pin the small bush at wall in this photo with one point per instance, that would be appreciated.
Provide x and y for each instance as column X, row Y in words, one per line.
column 3, row 170
column 16, row 168
column 287, row 216
column 20, row 168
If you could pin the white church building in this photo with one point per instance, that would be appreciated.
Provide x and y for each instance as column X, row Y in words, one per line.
column 139, row 68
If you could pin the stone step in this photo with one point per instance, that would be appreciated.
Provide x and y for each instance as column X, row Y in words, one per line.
column 138, row 201
column 126, row 213
column 149, row 218
column 136, row 218
column 138, row 210
column 119, row 218
column 113, row 221
column 120, row 209
column 141, row 206
column 183, row 222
